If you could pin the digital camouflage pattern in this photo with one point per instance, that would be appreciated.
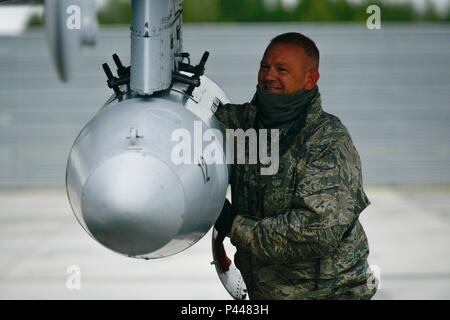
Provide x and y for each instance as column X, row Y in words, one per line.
column 297, row 232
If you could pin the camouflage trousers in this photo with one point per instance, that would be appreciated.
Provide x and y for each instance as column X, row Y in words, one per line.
column 308, row 290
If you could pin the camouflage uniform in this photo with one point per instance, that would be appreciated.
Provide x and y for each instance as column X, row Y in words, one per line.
column 297, row 232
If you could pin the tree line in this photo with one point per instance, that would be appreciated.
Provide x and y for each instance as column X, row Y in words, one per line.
column 119, row 11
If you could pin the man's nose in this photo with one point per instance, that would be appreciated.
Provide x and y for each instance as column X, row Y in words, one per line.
column 270, row 74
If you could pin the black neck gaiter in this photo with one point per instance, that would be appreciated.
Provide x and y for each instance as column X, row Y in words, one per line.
column 280, row 110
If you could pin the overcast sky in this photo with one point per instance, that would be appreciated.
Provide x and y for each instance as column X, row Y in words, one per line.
column 13, row 18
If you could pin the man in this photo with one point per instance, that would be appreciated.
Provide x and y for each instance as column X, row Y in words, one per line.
column 297, row 232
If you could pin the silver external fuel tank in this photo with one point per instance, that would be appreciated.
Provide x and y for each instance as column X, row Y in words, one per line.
column 126, row 183
column 147, row 176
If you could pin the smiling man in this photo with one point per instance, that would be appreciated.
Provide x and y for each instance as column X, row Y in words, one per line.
column 287, row 67
column 297, row 232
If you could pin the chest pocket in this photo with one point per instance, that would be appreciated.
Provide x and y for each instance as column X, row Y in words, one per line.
column 250, row 176
column 278, row 179
column 279, row 192
column 282, row 187
column 248, row 189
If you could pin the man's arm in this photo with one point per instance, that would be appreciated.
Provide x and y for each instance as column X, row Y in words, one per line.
column 324, row 211
column 233, row 116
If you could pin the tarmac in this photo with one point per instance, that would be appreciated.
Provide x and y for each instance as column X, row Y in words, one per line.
column 46, row 254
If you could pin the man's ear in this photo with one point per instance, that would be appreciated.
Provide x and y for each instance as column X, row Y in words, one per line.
column 312, row 76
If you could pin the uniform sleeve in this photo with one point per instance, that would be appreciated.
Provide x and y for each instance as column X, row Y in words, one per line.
column 322, row 211
column 233, row 116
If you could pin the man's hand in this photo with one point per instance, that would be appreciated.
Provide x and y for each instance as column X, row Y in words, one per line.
column 225, row 221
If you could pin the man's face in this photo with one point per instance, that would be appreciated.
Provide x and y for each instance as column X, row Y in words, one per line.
column 285, row 68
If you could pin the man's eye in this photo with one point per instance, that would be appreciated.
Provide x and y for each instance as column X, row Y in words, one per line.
column 263, row 66
column 282, row 69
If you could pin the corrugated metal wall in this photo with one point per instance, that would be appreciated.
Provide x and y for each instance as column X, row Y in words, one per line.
column 390, row 87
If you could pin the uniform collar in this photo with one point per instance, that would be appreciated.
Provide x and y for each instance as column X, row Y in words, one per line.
column 313, row 112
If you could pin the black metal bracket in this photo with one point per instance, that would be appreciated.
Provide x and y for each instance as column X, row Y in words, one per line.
column 123, row 76
column 196, row 71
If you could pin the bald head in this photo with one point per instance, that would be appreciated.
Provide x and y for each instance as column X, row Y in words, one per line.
column 298, row 39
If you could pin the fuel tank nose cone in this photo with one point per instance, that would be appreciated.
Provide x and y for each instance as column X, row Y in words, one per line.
column 133, row 203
